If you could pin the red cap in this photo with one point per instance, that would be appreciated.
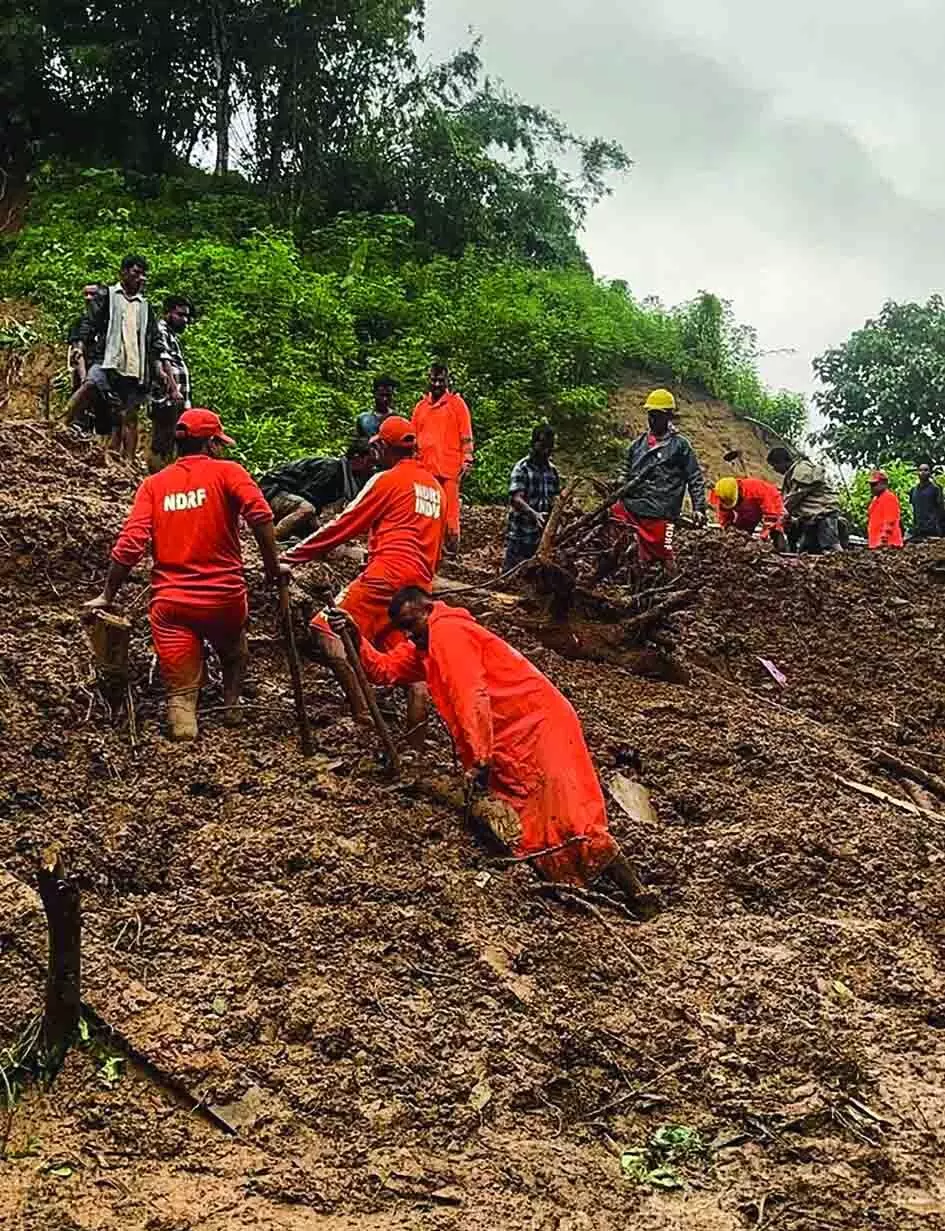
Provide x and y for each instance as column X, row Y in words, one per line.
column 203, row 425
column 395, row 431
column 879, row 476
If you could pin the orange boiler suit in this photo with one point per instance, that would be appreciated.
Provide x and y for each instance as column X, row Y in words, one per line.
column 502, row 712
column 759, row 503
column 884, row 524
column 445, row 446
column 401, row 511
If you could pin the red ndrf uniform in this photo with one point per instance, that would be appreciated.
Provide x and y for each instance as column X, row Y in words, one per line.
column 502, row 712
column 189, row 513
column 759, row 503
column 884, row 525
column 402, row 512
column 444, row 445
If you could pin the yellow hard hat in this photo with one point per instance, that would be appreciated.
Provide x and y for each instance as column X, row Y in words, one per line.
column 727, row 491
column 660, row 399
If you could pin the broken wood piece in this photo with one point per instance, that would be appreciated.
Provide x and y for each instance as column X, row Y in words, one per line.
column 905, row 805
column 633, row 798
column 110, row 635
column 60, row 899
column 546, row 546
column 295, row 669
column 493, row 820
column 904, row 769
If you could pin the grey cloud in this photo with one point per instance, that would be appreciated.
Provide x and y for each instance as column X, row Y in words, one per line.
column 786, row 155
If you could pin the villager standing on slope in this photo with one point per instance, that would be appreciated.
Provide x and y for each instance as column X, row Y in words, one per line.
column 401, row 510
column 669, row 466
column 119, row 335
column 515, row 734
column 443, row 426
column 884, row 525
column 172, row 395
column 189, row 514
column 534, row 486
column 928, row 506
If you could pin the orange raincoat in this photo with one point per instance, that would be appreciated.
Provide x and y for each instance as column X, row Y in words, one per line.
column 502, row 712
column 884, row 520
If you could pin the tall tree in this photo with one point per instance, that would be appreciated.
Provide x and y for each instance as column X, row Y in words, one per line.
column 883, row 391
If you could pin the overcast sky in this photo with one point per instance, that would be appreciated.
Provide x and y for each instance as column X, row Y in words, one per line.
column 788, row 156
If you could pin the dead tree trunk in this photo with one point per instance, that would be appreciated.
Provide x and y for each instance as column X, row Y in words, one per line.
column 60, row 898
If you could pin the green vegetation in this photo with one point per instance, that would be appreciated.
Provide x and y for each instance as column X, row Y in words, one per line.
column 667, row 1155
column 884, row 389
column 290, row 335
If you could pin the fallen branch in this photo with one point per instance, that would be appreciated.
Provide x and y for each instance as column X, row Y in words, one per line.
column 60, row 898
column 903, row 769
column 904, row 805
column 546, row 546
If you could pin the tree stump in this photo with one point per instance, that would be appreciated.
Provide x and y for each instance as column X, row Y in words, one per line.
column 60, row 898
column 111, row 636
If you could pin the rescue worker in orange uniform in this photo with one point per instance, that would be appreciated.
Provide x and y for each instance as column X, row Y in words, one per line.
column 884, row 518
column 445, row 442
column 747, row 503
column 401, row 509
column 189, row 514
column 514, row 732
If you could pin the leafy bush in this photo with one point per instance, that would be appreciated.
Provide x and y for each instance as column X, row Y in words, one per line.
column 290, row 336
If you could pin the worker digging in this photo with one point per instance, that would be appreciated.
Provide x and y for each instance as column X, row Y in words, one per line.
column 515, row 735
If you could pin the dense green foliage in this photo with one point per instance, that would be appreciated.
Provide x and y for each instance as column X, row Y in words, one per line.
column 288, row 340
column 323, row 107
column 884, row 389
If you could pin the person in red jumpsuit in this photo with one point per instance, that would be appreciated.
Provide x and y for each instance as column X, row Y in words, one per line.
column 884, row 518
column 443, row 426
column 513, row 731
column 402, row 511
column 189, row 514
column 747, row 503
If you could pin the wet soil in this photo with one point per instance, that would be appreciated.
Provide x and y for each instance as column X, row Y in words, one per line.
column 405, row 1033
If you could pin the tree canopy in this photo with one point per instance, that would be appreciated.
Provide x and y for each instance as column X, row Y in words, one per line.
column 323, row 106
column 884, row 389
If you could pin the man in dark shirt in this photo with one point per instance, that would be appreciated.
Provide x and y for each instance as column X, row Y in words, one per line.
column 533, row 488
column 368, row 424
column 928, row 506
column 298, row 491
column 667, row 467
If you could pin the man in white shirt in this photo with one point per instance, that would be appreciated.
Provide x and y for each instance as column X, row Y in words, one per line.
column 119, row 332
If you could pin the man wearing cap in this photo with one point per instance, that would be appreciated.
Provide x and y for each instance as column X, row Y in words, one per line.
column 402, row 511
column 884, row 525
column 189, row 514
column 747, row 503
column 445, row 442
column 665, row 467
column 368, row 423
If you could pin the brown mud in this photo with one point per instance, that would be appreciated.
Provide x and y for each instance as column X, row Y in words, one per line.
column 405, row 1033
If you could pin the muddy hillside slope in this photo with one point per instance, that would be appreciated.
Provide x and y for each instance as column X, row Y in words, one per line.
column 404, row 1032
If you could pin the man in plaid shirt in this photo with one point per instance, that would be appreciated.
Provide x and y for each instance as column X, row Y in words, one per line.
column 173, row 397
column 533, row 488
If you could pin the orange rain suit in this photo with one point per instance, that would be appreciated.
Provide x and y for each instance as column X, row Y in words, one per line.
column 502, row 712
column 884, row 526
column 759, row 502
column 401, row 511
column 445, row 446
